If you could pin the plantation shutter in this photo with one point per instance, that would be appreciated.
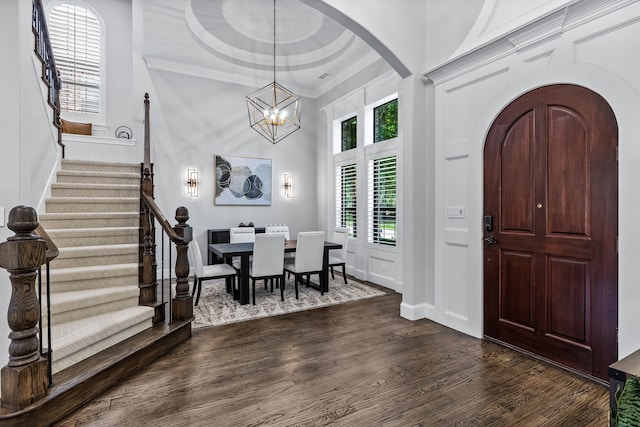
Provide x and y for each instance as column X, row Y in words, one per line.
column 75, row 38
column 382, row 201
column 346, row 198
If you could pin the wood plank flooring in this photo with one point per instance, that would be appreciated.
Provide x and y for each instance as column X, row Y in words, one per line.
column 355, row 364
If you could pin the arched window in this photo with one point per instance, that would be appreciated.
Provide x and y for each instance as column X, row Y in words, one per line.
column 76, row 38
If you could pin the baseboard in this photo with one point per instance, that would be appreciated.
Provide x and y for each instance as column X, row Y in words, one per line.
column 413, row 312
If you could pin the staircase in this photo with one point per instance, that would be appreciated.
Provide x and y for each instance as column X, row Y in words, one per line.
column 93, row 217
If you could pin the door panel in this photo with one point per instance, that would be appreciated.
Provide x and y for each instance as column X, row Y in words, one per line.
column 568, row 171
column 517, row 165
column 551, row 186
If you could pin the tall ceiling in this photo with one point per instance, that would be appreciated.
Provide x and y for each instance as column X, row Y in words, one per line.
column 233, row 40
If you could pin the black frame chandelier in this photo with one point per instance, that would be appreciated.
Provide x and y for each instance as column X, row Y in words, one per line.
column 274, row 111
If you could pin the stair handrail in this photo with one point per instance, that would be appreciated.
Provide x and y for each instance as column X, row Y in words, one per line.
column 166, row 226
column 50, row 73
column 22, row 255
column 181, row 307
column 52, row 251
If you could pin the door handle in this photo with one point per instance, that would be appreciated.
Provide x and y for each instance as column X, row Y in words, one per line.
column 490, row 240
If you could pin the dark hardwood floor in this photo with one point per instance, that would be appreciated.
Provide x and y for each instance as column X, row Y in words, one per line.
column 355, row 364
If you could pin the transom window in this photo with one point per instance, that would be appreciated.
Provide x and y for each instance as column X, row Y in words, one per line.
column 76, row 34
column 349, row 134
column 385, row 121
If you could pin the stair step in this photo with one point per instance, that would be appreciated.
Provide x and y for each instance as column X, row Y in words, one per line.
column 73, row 189
column 68, row 237
column 91, row 165
column 75, row 305
column 51, row 221
column 92, row 204
column 93, row 216
column 82, row 256
column 76, row 340
column 98, row 177
column 99, row 276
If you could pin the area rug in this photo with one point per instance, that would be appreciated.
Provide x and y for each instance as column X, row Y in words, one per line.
column 216, row 307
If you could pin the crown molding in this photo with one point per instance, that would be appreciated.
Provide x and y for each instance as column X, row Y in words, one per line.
column 536, row 33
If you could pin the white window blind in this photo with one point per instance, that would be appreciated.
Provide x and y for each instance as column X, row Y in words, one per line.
column 382, row 201
column 76, row 42
column 346, row 198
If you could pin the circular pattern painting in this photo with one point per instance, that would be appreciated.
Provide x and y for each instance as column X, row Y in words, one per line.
column 242, row 181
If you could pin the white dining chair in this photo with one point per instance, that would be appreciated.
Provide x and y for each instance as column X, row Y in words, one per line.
column 207, row 272
column 242, row 234
column 308, row 260
column 268, row 262
column 279, row 229
column 338, row 257
column 284, row 230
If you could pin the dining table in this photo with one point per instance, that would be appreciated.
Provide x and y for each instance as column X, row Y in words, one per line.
column 227, row 251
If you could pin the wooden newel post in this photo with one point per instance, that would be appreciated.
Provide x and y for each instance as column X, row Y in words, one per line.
column 182, row 303
column 24, row 379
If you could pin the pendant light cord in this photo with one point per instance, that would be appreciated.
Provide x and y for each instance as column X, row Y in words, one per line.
column 274, row 41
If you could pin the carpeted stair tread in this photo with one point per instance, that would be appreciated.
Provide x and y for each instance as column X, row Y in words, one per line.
column 92, row 204
column 68, row 237
column 105, row 174
column 95, row 255
column 94, row 185
column 91, row 200
column 91, row 277
column 70, row 337
column 68, row 301
column 71, row 164
column 79, row 189
column 86, row 215
column 67, row 220
column 86, row 272
column 98, row 250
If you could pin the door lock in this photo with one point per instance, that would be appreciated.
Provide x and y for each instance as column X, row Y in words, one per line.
column 490, row 240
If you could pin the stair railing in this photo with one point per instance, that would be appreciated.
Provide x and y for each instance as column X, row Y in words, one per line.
column 51, row 253
column 181, row 307
column 50, row 74
column 24, row 378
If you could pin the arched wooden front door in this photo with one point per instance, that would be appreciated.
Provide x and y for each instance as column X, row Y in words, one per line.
column 551, row 206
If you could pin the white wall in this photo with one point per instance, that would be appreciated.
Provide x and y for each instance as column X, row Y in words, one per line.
column 592, row 44
column 195, row 118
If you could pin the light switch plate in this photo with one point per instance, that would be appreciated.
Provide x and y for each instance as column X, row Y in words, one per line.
column 1, row 217
column 455, row 211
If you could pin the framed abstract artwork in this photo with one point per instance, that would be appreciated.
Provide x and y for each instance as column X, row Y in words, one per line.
column 242, row 181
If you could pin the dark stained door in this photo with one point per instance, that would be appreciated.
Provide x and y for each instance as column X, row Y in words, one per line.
column 550, row 260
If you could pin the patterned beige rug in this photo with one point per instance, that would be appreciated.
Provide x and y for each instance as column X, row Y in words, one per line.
column 217, row 307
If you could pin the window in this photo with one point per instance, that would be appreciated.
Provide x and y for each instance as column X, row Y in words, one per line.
column 382, row 201
column 385, row 121
column 349, row 133
column 75, row 34
column 346, row 198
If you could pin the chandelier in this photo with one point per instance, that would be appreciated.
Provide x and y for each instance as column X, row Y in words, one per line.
column 274, row 111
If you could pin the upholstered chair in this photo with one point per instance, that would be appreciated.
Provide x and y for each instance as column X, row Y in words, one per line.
column 338, row 257
column 268, row 262
column 308, row 260
column 207, row 272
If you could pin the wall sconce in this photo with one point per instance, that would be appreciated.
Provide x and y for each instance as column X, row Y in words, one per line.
column 288, row 185
column 192, row 182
